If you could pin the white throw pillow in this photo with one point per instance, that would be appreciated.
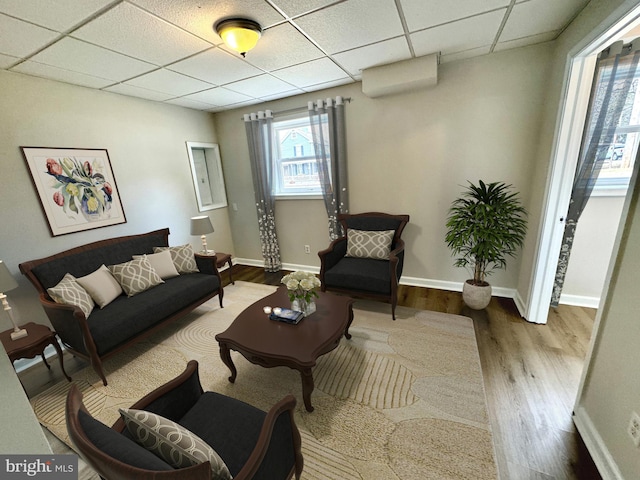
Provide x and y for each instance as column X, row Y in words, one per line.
column 182, row 256
column 69, row 292
column 162, row 263
column 101, row 285
column 172, row 442
column 135, row 276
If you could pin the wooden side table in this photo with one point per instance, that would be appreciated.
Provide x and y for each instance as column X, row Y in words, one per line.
column 221, row 259
column 37, row 339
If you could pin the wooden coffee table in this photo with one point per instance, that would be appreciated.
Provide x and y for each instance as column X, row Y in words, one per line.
column 270, row 343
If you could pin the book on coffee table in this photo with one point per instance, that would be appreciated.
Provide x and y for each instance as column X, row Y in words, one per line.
column 287, row 315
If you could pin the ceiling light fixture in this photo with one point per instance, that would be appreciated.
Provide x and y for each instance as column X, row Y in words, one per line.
column 240, row 34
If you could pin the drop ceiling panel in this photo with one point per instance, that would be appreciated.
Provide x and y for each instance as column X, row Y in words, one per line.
column 382, row 53
column 422, row 14
column 473, row 32
column 311, row 73
column 58, row 15
column 215, row 66
column 166, row 81
column 330, row 84
column 199, row 17
column 523, row 42
column 539, row 16
column 18, row 38
column 289, row 93
column 261, row 86
column 218, row 97
column 61, row 75
column 296, row 7
column 132, row 91
column 134, row 32
column 280, row 47
column 82, row 57
column 160, row 48
column 345, row 26
column 188, row 103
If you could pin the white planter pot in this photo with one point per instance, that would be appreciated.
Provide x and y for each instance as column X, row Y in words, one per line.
column 476, row 296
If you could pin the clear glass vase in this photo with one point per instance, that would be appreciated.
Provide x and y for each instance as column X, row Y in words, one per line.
column 301, row 305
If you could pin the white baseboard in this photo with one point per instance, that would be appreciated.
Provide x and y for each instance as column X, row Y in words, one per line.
column 599, row 452
column 580, row 301
column 248, row 261
column 520, row 304
column 574, row 300
column 411, row 281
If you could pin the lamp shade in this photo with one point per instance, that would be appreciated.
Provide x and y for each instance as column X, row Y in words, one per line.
column 201, row 225
column 7, row 282
column 239, row 34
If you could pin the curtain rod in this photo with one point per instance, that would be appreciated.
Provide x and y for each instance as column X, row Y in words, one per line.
column 300, row 109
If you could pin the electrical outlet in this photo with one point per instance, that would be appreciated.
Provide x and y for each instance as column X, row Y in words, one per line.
column 307, row 249
column 634, row 429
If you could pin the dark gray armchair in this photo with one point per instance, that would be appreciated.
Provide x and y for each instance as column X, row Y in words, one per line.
column 253, row 444
column 360, row 276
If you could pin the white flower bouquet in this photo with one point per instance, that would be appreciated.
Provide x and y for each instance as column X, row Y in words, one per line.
column 301, row 286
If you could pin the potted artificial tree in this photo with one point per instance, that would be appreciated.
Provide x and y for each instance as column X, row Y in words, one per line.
column 485, row 225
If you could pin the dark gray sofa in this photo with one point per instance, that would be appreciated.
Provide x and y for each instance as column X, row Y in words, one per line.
column 126, row 320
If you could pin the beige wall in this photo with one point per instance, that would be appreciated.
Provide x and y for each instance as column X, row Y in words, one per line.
column 591, row 251
column 611, row 391
column 411, row 153
column 146, row 145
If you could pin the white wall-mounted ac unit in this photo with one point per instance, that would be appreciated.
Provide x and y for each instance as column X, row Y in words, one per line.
column 401, row 76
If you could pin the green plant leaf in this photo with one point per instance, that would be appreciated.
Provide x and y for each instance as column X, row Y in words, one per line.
column 485, row 225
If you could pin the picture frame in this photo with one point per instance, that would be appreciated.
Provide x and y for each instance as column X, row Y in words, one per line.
column 76, row 188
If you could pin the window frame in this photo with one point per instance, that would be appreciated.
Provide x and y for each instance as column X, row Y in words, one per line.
column 296, row 121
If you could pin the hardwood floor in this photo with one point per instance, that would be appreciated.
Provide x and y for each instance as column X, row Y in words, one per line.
column 531, row 374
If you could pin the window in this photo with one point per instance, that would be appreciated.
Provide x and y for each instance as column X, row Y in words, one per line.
column 618, row 157
column 295, row 165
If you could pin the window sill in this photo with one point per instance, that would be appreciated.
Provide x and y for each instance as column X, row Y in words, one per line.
column 609, row 191
column 298, row 197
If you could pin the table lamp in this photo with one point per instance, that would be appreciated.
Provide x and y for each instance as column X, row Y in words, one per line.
column 7, row 282
column 201, row 226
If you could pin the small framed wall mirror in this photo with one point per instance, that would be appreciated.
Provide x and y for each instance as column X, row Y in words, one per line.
column 208, row 180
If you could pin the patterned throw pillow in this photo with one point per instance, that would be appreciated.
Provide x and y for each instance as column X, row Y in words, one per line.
column 101, row 285
column 69, row 292
column 172, row 442
column 135, row 276
column 182, row 256
column 162, row 263
column 369, row 244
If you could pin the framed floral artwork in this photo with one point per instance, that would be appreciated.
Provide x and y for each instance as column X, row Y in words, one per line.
column 76, row 187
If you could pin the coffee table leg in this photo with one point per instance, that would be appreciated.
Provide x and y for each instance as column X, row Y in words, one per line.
column 346, row 330
column 225, row 355
column 307, row 388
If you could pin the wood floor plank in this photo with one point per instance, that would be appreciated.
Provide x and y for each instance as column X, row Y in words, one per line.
column 531, row 374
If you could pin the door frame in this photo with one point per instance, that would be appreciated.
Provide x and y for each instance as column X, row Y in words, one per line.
column 579, row 69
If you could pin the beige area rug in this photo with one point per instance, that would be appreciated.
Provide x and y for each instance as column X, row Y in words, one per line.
column 400, row 400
